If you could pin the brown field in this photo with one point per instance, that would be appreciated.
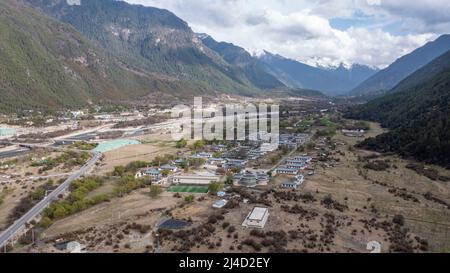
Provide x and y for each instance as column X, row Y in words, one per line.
column 24, row 179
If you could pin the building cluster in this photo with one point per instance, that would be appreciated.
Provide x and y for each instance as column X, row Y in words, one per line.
column 156, row 173
column 294, row 165
column 293, row 141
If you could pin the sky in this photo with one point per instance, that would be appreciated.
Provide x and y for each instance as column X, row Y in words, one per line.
column 318, row 32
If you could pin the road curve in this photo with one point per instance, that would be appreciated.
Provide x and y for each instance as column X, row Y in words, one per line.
column 6, row 235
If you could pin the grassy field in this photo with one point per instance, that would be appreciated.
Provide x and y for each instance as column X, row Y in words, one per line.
column 189, row 188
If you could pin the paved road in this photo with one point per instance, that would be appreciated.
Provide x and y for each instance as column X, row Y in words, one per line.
column 39, row 207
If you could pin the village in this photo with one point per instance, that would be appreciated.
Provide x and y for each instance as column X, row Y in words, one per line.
column 310, row 191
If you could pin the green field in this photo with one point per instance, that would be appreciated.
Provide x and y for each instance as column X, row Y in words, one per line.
column 189, row 188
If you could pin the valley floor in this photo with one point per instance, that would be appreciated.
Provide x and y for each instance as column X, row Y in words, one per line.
column 340, row 208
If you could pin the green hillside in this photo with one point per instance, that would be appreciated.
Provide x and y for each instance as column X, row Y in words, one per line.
column 418, row 119
column 47, row 64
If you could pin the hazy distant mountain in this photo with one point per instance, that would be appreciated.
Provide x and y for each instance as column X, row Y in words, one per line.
column 418, row 114
column 240, row 57
column 332, row 81
column 403, row 67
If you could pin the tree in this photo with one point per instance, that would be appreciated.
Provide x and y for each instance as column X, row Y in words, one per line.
column 59, row 212
column 181, row 143
column 189, row 198
column 199, row 144
column 214, row 187
column 155, row 190
column 165, row 173
column 399, row 220
column 229, row 180
column 45, row 222
column 196, row 162
column 119, row 170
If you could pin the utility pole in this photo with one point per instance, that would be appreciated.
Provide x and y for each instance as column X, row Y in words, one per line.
column 32, row 235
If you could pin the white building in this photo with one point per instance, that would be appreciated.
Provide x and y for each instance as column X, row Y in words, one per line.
column 284, row 170
column 257, row 218
column 302, row 158
column 216, row 161
column 169, row 168
column 268, row 147
column 75, row 247
column 220, row 204
column 353, row 133
column 155, row 174
column 195, row 179
column 295, row 183
column 204, row 155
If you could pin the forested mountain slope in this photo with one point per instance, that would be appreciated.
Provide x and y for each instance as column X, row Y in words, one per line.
column 418, row 118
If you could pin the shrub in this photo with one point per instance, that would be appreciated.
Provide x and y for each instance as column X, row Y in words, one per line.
column 155, row 190
column 189, row 198
column 399, row 220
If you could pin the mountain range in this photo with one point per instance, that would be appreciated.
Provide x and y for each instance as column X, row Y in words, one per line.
column 151, row 40
column 332, row 81
column 240, row 57
column 389, row 77
column 58, row 55
column 55, row 56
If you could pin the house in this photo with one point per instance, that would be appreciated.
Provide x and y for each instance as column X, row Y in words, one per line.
column 248, row 179
column 353, row 133
column 251, row 179
column 204, row 155
column 284, row 170
column 289, row 185
column 293, row 161
column 296, row 166
column 71, row 247
column 300, row 179
column 216, row 161
column 75, row 247
column 195, row 179
column 221, row 193
column 219, row 148
column 155, row 174
column 295, row 183
column 179, row 161
column 257, row 218
column 236, row 162
column 262, row 177
column 220, row 204
column 306, row 159
column 255, row 153
column 169, row 168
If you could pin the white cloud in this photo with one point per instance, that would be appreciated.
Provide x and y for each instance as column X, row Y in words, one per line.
column 300, row 29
